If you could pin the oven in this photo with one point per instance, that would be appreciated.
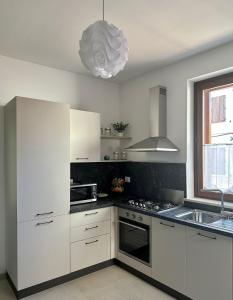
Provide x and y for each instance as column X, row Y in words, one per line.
column 83, row 193
column 134, row 236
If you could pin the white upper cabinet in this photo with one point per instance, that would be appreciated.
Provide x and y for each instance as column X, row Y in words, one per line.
column 209, row 266
column 84, row 136
column 43, row 170
column 169, row 253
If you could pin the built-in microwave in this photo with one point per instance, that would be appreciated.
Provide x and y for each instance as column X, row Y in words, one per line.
column 83, row 193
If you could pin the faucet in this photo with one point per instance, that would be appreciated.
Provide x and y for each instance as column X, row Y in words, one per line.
column 221, row 197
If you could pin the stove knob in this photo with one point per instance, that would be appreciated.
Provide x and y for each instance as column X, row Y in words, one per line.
column 136, row 203
column 132, row 202
column 133, row 216
column 144, row 205
column 140, row 204
column 140, row 218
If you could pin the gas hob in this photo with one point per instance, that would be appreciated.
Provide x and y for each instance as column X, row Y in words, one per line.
column 147, row 205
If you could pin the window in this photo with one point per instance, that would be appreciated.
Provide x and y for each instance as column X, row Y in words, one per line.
column 213, row 136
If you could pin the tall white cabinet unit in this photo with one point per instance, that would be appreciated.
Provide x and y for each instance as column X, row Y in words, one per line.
column 37, row 190
column 84, row 136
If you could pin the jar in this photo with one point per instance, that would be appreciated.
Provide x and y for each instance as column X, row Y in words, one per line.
column 107, row 131
column 123, row 155
column 116, row 155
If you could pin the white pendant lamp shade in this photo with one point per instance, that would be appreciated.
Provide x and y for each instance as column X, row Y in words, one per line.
column 103, row 49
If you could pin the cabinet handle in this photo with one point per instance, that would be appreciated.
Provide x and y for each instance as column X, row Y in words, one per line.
column 206, row 236
column 92, row 213
column 91, row 242
column 89, row 228
column 78, row 158
column 172, row 226
column 49, row 222
column 43, row 214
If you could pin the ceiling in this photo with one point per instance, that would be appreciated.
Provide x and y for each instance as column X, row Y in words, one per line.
column 159, row 32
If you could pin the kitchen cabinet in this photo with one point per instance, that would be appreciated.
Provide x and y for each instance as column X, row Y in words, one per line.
column 84, row 136
column 37, row 168
column 169, row 253
column 90, row 238
column 209, row 266
column 89, row 252
column 43, row 250
column 42, row 158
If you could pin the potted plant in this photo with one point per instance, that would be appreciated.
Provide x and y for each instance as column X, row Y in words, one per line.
column 120, row 127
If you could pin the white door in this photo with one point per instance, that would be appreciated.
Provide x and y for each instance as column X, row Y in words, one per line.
column 84, row 136
column 43, row 168
column 43, row 250
column 209, row 266
column 168, row 253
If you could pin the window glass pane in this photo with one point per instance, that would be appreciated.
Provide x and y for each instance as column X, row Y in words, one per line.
column 218, row 138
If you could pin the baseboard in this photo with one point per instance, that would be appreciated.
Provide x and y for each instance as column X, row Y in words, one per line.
column 57, row 281
column 152, row 281
column 2, row 276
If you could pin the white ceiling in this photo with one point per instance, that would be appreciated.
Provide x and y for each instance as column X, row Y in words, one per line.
column 47, row 32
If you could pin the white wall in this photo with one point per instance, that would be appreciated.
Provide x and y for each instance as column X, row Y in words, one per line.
column 135, row 103
column 30, row 80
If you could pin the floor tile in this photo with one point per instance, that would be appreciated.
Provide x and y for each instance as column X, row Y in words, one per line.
column 112, row 283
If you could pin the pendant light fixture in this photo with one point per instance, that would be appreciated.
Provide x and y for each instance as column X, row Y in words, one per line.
column 103, row 49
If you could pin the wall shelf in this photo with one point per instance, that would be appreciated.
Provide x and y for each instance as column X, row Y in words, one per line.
column 115, row 137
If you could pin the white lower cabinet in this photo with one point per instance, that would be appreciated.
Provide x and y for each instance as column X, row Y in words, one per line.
column 209, row 266
column 43, row 250
column 90, row 252
column 90, row 238
column 168, row 253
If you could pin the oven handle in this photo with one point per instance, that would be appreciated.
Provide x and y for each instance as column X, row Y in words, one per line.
column 129, row 224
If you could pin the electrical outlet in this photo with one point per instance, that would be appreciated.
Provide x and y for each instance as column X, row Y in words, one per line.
column 127, row 179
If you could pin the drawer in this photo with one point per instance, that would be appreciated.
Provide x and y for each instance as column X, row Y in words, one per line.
column 90, row 217
column 89, row 231
column 90, row 252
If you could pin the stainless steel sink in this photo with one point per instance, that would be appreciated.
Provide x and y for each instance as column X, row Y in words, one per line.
column 199, row 216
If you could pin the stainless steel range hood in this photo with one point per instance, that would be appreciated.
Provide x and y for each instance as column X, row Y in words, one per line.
column 158, row 125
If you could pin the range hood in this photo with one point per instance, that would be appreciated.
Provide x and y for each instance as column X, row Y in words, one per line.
column 158, row 125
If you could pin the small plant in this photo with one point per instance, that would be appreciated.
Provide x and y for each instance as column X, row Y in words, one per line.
column 118, row 185
column 120, row 126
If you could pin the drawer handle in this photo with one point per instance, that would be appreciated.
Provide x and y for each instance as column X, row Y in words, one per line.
column 49, row 222
column 206, row 236
column 89, row 228
column 172, row 226
column 78, row 158
column 91, row 242
column 92, row 214
column 43, row 214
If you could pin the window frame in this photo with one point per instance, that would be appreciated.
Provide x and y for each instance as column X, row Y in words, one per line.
column 199, row 87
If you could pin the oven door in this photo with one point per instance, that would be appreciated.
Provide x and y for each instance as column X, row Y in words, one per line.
column 134, row 240
column 82, row 194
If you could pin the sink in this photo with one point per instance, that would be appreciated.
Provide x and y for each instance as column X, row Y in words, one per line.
column 199, row 216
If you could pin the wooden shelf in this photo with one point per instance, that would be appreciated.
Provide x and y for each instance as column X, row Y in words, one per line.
column 115, row 137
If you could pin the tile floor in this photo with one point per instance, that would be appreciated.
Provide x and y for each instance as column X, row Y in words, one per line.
column 112, row 283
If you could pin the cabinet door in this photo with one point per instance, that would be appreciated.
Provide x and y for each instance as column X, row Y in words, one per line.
column 43, row 167
column 168, row 253
column 43, row 250
column 89, row 252
column 84, row 136
column 209, row 266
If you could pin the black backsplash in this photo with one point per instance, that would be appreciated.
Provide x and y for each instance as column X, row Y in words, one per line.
column 146, row 177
